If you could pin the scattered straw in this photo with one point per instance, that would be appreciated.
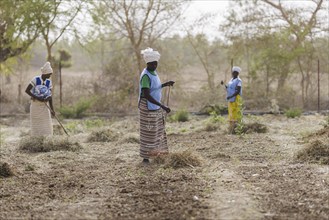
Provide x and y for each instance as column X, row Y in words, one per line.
column 251, row 128
column 256, row 128
column 46, row 144
column 160, row 159
column 131, row 138
column 184, row 159
column 5, row 170
column 324, row 132
column 103, row 135
column 179, row 160
column 316, row 152
column 210, row 126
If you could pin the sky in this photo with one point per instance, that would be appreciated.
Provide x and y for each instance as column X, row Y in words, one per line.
column 198, row 7
column 220, row 7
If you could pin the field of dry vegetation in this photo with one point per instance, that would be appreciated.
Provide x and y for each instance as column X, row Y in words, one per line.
column 97, row 173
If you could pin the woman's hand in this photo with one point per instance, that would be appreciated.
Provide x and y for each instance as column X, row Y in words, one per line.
column 47, row 99
column 167, row 109
column 169, row 83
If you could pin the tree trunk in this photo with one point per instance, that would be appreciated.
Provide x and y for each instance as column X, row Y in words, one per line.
column 283, row 77
column 302, row 84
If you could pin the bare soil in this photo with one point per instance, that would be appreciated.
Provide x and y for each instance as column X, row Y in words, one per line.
column 251, row 176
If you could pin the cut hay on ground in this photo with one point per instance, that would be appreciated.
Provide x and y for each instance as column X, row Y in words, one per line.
column 179, row 160
column 210, row 126
column 130, row 138
column 250, row 128
column 103, row 135
column 5, row 170
column 324, row 132
column 316, row 152
column 256, row 128
column 46, row 144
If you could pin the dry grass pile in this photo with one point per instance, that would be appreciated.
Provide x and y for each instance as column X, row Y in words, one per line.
column 131, row 138
column 47, row 144
column 252, row 128
column 179, row 160
column 256, row 128
column 103, row 135
column 316, row 152
column 324, row 132
column 58, row 130
column 209, row 126
column 5, row 170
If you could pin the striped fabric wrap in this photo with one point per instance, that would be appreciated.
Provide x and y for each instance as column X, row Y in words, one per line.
column 153, row 137
column 41, row 122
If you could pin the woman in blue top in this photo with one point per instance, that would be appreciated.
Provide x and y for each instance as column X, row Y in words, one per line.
column 234, row 93
column 40, row 91
column 153, row 138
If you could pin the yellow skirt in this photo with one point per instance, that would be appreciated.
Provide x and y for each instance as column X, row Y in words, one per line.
column 235, row 109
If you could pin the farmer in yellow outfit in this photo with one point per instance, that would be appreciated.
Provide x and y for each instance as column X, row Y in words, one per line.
column 234, row 92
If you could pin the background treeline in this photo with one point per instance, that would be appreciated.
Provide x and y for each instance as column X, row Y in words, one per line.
column 97, row 45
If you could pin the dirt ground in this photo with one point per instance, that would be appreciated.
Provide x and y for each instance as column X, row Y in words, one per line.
column 251, row 176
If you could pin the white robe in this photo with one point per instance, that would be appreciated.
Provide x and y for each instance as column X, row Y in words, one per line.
column 41, row 122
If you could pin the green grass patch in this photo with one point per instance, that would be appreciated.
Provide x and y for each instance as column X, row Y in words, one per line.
column 293, row 113
column 179, row 116
column 214, row 122
column 77, row 110
column 93, row 123
column 218, row 109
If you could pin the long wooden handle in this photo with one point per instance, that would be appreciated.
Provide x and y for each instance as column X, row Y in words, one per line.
column 168, row 96
column 57, row 119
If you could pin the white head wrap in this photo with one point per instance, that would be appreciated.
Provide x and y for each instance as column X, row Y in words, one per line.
column 46, row 68
column 236, row 68
column 150, row 55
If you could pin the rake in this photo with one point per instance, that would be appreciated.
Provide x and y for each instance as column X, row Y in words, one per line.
column 57, row 119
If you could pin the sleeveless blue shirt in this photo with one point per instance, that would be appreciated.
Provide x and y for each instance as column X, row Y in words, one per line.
column 231, row 88
column 155, row 89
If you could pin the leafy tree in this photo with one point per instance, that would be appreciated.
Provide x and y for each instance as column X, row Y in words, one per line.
column 18, row 28
column 275, row 38
column 55, row 20
column 141, row 22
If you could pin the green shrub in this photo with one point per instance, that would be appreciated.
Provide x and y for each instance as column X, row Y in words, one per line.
column 213, row 123
column 244, row 128
column 94, row 123
column 293, row 113
column 77, row 110
column 67, row 112
column 82, row 106
column 240, row 128
column 181, row 116
column 218, row 109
